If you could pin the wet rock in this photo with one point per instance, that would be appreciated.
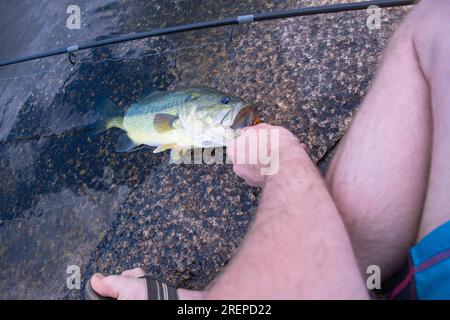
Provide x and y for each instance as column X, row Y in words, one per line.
column 60, row 231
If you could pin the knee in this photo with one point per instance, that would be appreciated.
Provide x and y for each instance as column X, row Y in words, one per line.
column 430, row 25
column 430, row 16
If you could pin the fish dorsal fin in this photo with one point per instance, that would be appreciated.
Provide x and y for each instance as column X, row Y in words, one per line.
column 164, row 147
column 163, row 122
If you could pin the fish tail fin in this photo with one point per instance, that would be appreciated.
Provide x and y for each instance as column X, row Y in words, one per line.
column 110, row 116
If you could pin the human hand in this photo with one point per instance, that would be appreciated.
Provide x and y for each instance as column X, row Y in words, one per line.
column 259, row 151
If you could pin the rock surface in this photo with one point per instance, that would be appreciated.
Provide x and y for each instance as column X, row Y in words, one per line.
column 68, row 199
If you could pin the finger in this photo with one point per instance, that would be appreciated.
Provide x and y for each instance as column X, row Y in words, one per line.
column 252, row 182
column 263, row 125
column 258, row 126
column 134, row 273
column 239, row 170
column 243, row 174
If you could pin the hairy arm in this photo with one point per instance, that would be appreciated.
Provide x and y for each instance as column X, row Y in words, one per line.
column 297, row 246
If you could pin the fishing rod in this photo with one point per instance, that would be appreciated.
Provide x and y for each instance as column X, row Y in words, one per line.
column 242, row 19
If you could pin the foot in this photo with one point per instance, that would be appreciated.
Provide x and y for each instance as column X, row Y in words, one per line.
column 129, row 286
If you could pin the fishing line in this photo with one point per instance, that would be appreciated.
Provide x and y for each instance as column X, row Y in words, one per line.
column 242, row 19
column 115, row 59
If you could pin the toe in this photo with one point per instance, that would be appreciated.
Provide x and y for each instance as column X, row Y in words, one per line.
column 134, row 273
column 106, row 286
column 119, row 287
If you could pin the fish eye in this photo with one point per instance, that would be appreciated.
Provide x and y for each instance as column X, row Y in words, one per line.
column 225, row 100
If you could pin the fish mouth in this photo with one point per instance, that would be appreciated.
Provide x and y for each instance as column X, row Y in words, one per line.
column 246, row 117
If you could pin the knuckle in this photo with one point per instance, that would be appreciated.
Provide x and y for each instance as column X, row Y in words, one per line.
column 238, row 169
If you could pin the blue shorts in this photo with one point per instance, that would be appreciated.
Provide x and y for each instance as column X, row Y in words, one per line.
column 427, row 273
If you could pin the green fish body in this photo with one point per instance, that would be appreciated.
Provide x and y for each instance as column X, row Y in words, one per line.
column 179, row 120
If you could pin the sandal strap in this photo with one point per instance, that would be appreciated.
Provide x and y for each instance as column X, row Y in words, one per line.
column 158, row 290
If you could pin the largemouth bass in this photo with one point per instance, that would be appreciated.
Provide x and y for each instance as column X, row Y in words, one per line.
column 178, row 120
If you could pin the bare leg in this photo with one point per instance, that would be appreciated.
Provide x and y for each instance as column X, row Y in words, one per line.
column 379, row 177
column 433, row 48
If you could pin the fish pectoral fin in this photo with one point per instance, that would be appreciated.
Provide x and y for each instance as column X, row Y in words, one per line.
column 164, row 147
column 163, row 122
column 125, row 144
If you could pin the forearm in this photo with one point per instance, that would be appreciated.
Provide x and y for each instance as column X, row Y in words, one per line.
column 297, row 230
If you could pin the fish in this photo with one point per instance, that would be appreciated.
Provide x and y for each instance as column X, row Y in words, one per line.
column 177, row 120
